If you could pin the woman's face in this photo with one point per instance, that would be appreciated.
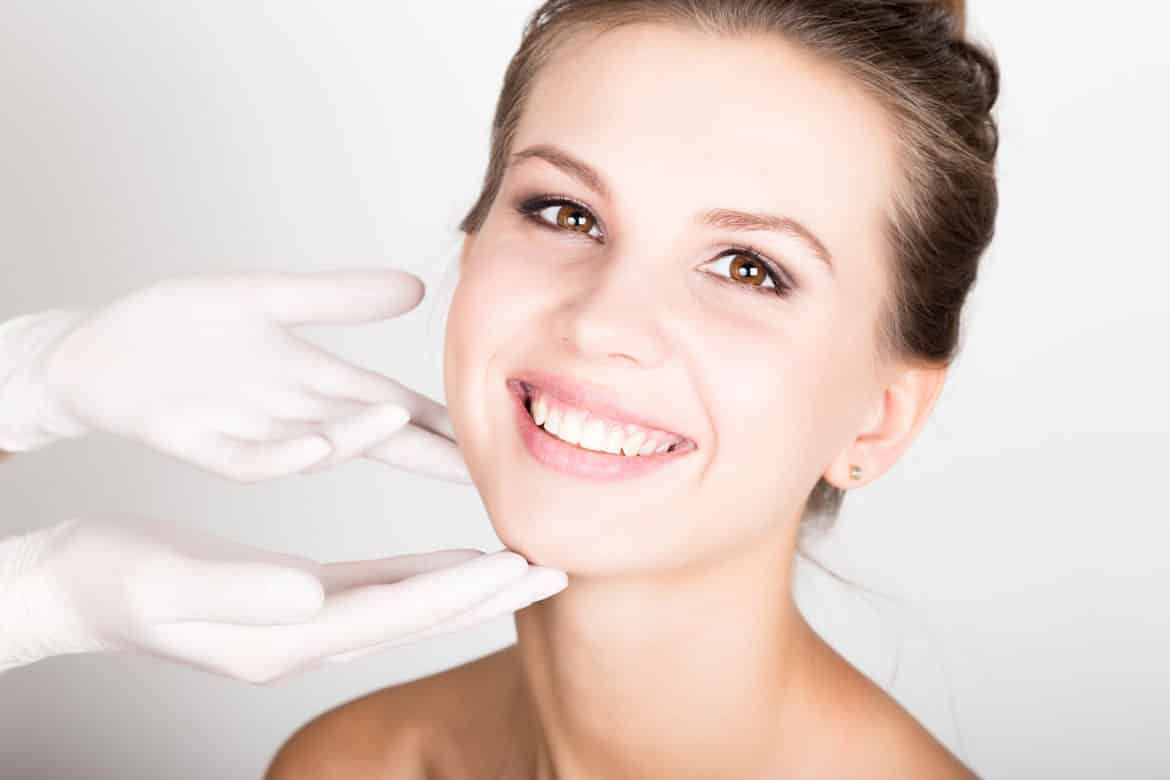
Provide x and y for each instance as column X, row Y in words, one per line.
column 638, row 290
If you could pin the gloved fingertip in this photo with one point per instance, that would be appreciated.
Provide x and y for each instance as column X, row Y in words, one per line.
column 390, row 416
column 397, row 415
column 546, row 582
column 317, row 447
column 453, row 468
column 298, row 598
column 314, row 451
column 461, row 467
column 317, row 467
column 507, row 563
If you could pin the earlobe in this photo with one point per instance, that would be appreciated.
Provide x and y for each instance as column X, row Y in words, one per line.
column 890, row 429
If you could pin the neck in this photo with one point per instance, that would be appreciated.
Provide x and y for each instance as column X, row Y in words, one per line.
column 680, row 674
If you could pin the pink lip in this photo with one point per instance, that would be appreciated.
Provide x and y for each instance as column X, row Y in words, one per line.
column 596, row 399
column 579, row 462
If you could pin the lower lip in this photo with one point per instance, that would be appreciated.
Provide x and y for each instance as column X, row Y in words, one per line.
column 580, row 462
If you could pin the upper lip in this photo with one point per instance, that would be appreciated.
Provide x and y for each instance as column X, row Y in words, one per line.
column 594, row 398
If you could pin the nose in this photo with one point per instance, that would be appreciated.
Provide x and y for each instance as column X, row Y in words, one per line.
column 616, row 314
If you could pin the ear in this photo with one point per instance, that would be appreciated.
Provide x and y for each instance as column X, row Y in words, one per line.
column 892, row 425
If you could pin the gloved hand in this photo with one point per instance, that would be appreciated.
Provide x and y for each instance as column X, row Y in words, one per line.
column 206, row 369
column 138, row 585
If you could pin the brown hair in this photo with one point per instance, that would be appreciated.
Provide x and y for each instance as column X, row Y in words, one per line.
column 910, row 55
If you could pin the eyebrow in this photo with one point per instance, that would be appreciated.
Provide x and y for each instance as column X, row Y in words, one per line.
column 728, row 219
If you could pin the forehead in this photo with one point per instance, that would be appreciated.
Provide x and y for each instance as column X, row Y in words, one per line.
column 749, row 122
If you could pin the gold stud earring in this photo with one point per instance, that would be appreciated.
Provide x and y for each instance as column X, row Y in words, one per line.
column 855, row 472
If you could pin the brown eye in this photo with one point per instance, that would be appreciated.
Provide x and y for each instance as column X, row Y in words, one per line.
column 573, row 218
column 562, row 215
column 746, row 269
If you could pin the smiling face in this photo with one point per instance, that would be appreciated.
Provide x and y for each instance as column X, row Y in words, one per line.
column 689, row 244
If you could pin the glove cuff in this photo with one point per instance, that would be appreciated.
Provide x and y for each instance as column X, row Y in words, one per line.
column 29, row 416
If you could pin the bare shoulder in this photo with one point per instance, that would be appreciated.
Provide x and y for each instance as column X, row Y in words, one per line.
column 397, row 732
column 904, row 747
column 361, row 738
column 868, row 734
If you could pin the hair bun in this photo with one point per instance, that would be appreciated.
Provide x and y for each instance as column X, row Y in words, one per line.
column 957, row 10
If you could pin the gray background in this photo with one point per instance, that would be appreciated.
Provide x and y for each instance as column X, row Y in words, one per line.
column 1024, row 533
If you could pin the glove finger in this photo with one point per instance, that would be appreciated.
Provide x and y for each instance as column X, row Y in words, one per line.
column 352, row 436
column 328, row 375
column 308, row 406
column 426, row 412
column 237, row 424
column 246, row 461
column 337, row 297
column 351, row 620
column 225, row 456
column 420, row 451
column 431, row 415
column 373, row 614
column 539, row 583
column 276, row 415
column 238, row 592
column 344, row 575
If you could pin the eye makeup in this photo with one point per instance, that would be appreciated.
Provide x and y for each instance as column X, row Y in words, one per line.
column 530, row 208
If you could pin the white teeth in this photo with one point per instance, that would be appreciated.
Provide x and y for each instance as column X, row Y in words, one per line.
column 553, row 423
column 571, row 424
column 539, row 410
column 613, row 444
column 578, row 427
column 593, row 437
column 632, row 443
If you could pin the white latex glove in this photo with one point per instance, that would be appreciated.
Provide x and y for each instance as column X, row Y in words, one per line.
column 207, row 369
column 138, row 585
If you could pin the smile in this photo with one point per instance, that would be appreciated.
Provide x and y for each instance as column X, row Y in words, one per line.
column 576, row 430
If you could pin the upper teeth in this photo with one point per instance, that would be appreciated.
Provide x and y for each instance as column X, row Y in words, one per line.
column 577, row 426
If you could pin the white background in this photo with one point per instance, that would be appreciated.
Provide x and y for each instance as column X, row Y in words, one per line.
column 1025, row 532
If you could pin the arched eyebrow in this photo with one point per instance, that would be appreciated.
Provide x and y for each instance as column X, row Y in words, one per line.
column 578, row 169
column 727, row 219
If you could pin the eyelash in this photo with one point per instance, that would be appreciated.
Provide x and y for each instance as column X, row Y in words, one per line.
column 530, row 208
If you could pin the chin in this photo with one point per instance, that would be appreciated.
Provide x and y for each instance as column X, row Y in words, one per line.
column 583, row 538
column 551, row 533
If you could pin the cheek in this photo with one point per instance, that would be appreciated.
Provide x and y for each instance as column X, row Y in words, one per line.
column 466, row 349
column 489, row 317
column 762, row 382
column 843, row 388
column 760, row 372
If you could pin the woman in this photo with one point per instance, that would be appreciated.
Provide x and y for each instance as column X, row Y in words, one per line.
column 714, row 280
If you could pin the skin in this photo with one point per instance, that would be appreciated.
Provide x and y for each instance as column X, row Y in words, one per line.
column 676, row 650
